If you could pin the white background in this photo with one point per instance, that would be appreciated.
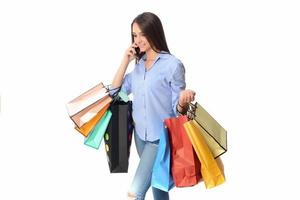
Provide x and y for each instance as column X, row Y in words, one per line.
column 241, row 58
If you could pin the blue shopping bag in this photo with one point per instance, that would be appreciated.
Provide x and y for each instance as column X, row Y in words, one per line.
column 95, row 136
column 161, row 174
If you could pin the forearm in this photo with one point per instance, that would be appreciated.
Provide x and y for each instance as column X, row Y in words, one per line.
column 118, row 78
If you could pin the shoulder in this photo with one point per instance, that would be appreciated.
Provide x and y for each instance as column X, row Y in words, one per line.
column 172, row 63
column 171, row 66
column 171, row 60
column 170, row 57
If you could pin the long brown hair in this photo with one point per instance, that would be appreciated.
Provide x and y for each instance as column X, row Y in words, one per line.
column 152, row 27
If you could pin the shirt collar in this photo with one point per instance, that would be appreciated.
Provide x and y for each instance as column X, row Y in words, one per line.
column 161, row 54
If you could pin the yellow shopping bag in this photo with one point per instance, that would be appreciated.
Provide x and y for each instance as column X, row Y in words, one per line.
column 211, row 170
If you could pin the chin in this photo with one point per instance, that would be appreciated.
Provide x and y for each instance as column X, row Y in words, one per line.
column 145, row 50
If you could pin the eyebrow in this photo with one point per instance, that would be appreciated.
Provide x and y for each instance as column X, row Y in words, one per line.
column 133, row 33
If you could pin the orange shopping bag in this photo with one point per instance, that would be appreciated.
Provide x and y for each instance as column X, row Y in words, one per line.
column 87, row 127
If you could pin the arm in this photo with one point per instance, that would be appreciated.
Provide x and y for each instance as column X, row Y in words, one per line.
column 177, row 85
column 180, row 96
column 128, row 57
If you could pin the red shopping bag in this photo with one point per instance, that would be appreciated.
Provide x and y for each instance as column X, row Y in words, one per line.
column 185, row 165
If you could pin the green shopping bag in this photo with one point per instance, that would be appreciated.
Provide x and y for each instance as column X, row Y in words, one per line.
column 95, row 137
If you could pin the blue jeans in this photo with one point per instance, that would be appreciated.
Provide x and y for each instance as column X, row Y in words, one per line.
column 142, row 178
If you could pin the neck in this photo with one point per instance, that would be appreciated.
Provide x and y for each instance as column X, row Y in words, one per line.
column 151, row 54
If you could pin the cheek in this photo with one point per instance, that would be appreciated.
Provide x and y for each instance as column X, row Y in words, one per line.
column 146, row 43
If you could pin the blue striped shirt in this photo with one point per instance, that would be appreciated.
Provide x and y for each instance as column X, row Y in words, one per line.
column 155, row 93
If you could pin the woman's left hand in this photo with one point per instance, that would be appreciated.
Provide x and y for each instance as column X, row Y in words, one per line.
column 186, row 97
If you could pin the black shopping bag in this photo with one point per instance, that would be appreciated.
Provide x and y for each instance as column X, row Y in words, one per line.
column 118, row 136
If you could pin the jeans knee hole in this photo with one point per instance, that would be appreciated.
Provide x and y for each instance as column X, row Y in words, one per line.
column 131, row 196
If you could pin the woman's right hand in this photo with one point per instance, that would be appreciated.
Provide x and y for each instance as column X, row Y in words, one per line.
column 130, row 53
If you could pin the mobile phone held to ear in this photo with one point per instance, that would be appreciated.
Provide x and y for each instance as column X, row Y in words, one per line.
column 137, row 50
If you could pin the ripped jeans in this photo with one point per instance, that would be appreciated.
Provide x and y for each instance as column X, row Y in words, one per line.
column 142, row 179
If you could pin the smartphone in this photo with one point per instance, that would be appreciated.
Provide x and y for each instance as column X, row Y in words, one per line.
column 137, row 50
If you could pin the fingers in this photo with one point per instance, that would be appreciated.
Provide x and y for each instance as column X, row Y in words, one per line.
column 192, row 95
column 186, row 97
column 189, row 96
column 131, row 50
column 134, row 45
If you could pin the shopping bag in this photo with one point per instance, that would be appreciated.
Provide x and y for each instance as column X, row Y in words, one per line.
column 118, row 136
column 161, row 174
column 185, row 165
column 210, row 169
column 87, row 127
column 95, row 137
column 86, row 106
column 214, row 134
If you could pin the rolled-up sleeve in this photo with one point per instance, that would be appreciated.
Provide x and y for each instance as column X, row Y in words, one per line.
column 177, row 84
column 127, row 82
column 125, row 87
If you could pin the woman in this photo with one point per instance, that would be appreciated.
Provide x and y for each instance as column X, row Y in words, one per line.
column 158, row 87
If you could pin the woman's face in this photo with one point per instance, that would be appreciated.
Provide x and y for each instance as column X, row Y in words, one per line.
column 139, row 38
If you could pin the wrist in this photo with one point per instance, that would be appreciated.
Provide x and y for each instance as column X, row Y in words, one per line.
column 182, row 105
column 125, row 60
column 179, row 109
